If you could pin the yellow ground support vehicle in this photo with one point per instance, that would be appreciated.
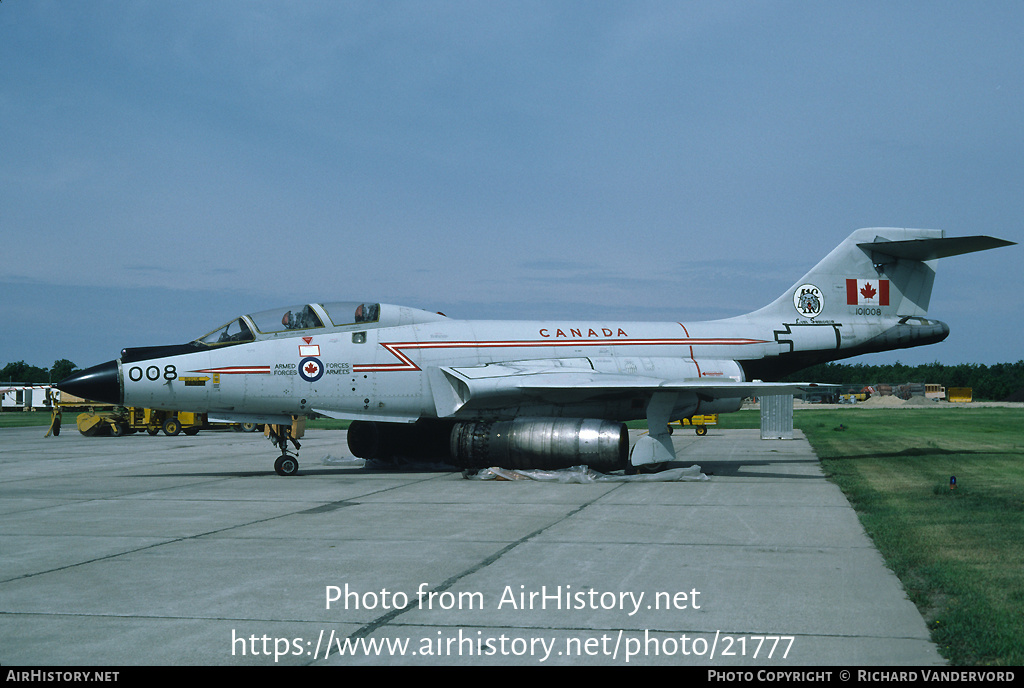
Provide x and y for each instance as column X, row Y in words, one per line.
column 107, row 419
column 700, row 423
column 960, row 395
column 62, row 401
column 122, row 421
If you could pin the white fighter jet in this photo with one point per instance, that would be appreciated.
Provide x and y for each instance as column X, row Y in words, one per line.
column 533, row 394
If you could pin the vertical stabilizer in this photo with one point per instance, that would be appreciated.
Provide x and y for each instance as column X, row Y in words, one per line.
column 869, row 294
column 876, row 271
column 855, row 281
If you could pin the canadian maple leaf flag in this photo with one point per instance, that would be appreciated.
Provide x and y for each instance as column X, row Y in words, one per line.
column 867, row 292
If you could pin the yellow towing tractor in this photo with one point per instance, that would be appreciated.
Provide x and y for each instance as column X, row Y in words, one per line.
column 124, row 421
column 106, row 419
column 700, row 423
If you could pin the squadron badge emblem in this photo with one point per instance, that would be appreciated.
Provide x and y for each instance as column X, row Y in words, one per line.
column 808, row 301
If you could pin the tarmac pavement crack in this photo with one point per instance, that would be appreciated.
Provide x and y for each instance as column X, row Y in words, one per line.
column 328, row 506
column 389, row 617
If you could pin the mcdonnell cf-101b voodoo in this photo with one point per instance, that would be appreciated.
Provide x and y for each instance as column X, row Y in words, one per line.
column 530, row 393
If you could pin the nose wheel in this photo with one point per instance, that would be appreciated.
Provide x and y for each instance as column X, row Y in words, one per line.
column 287, row 464
column 280, row 435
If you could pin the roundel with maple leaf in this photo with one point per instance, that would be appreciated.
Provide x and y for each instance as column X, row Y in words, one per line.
column 311, row 369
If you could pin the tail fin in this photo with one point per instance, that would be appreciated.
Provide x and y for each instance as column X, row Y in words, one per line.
column 869, row 294
column 881, row 271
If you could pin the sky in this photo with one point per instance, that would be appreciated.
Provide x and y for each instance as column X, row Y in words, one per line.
column 165, row 167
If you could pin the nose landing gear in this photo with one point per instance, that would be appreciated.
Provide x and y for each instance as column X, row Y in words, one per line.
column 288, row 463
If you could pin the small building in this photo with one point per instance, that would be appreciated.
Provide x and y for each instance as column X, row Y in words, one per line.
column 24, row 397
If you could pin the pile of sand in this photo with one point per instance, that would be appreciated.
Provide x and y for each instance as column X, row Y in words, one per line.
column 920, row 401
column 888, row 401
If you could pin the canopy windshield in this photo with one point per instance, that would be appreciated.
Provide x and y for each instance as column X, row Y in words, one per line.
column 292, row 318
column 232, row 333
column 284, row 319
column 352, row 312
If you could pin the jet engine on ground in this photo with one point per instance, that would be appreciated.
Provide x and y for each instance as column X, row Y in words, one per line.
column 522, row 443
column 526, row 443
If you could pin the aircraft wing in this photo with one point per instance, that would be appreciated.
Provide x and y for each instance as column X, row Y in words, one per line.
column 458, row 389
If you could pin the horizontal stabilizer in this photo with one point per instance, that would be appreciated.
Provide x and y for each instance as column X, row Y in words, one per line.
column 932, row 249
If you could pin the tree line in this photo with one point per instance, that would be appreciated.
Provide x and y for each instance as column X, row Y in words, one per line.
column 998, row 382
column 20, row 371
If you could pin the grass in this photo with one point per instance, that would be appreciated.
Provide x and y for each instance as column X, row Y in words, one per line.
column 959, row 553
column 24, row 419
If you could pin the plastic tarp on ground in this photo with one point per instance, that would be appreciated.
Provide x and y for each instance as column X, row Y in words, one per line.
column 583, row 474
column 575, row 474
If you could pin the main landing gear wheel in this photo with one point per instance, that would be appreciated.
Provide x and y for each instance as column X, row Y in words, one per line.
column 286, row 464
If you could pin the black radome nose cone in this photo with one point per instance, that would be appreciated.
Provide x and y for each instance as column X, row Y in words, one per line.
column 99, row 383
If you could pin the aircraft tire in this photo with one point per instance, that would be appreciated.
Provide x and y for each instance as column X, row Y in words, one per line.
column 286, row 465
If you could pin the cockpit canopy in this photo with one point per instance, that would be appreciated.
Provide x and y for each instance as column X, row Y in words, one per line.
column 290, row 319
column 232, row 333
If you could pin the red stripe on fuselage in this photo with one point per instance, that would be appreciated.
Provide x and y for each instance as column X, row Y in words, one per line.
column 697, row 365
column 396, row 348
